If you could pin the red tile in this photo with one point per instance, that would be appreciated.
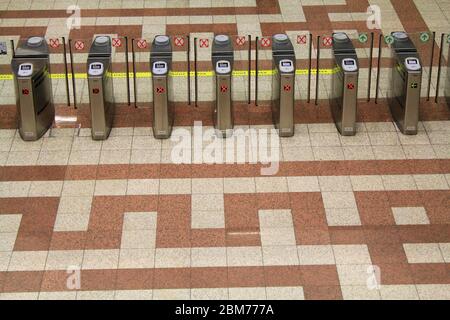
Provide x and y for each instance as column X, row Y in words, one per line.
column 322, row 292
column 178, row 278
column 319, row 275
column 245, row 277
column 134, row 279
column 281, row 276
column 23, row 281
column 209, row 277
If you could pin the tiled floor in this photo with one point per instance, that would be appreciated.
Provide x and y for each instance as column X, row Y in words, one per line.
column 363, row 217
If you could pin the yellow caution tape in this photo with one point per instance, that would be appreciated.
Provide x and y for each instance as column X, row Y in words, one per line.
column 182, row 74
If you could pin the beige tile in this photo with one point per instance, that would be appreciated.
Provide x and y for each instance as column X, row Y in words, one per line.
column 359, row 293
column 285, row 293
column 63, row 259
column 10, row 222
column 388, row 153
column 431, row 182
column 5, row 256
column 139, row 221
column 339, row 200
column 134, row 295
column 410, row 216
column 445, row 251
column 335, row 183
column 280, row 256
column 343, row 217
column 207, row 219
column 433, row 291
column 303, row 184
column 399, row 182
column 171, row 294
column 208, row 186
column 247, row 293
column 27, row 261
column 14, row 189
column 71, row 222
column 399, row 292
column 117, row 143
column 207, row 202
column 143, row 187
column 173, row 258
column 78, row 188
column 244, row 256
column 367, row 183
column 75, row 205
column 354, row 274
column 138, row 239
column 384, row 138
column 63, row 295
column 19, row 296
column 351, row 254
column 101, row 259
column 95, row 295
column 136, row 258
column 423, row 253
column 209, row 294
column 277, row 237
column 209, row 257
column 110, row 187
column 328, row 153
column 271, row 184
column 7, row 240
column 325, row 139
column 115, row 156
column 358, row 153
column 316, row 255
column 239, row 185
column 175, row 186
column 275, row 219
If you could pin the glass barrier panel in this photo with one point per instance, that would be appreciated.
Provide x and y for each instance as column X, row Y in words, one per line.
column 242, row 62
column 7, row 93
column 265, row 70
column 205, row 70
column 444, row 76
column 301, row 43
column 142, row 81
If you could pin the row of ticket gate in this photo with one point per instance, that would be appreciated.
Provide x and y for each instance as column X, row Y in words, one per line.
column 31, row 67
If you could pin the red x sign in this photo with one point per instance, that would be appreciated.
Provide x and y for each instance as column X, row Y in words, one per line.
column 117, row 43
column 142, row 43
column 204, row 43
column 223, row 89
column 287, row 88
column 179, row 41
column 327, row 41
column 79, row 45
column 160, row 90
column 301, row 39
column 266, row 42
column 54, row 43
column 240, row 41
column 350, row 86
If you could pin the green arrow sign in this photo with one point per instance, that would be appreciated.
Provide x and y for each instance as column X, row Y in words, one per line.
column 448, row 38
column 389, row 39
column 424, row 36
column 363, row 38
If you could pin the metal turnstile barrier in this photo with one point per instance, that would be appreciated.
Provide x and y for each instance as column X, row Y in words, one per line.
column 101, row 88
column 283, row 85
column 33, row 87
column 344, row 87
column 406, row 82
column 163, row 104
column 223, row 60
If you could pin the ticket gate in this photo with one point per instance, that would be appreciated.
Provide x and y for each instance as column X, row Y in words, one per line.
column 447, row 82
column 283, row 85
column 344, row 87
column 223, row 60
column 101, row 89
column 163, row 105
column 406, row 82
column 33, row 87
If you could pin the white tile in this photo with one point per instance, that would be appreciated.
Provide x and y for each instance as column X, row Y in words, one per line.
column 244, row 256
column 278, row 237
column 101, row 259
column 359, row 293
column 399, row 292
column 207, row 186
column 64, row 259
column 134, row 295
column 139, row 221
column 343, row 217
column 285, row 293
column 275, row 219
column 280, row 256
column 71, row 222
column 303, row 184
column 367, row 183
column 171, row 294
column 423, row 253
column 399, row 182
column 351, row 254
column 95, row 295
column 339, row 200
column 110, row 187
column 410, row 216
column 10, row 222
column 173, row 258
column 175, row 186
column 45, row 189
column 209, row 257
column 433, row 291
column 78, row 188
column 335, row 183
column 239, row 185
column 7, row 240
column 58, row 295
column 207, row 202
column 431, row 182
column 136, row 258
column 207, row 219
column 316, row 255
column 271, row 184
column 27, row 261
column 209, row 294
column 247, row 293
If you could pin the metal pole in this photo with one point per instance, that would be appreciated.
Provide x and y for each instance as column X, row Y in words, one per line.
column 196, row 72
column 378, row 66
column 74, row 89
column 189, row 69
column 128, row 71
column 133, row 56
column 309, row 67
column 66, row 71
column 13, row 48
column 439, row 69
column 317, row 71
column 249, row 68
column 256, row 70
column 369, row 84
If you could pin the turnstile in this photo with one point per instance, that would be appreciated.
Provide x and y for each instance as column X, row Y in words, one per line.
column 406, row 82
column 33, row 86
column 223, row 60
column 101, row 89
column 344, row 87
column 163, row 105
column 283, row 85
